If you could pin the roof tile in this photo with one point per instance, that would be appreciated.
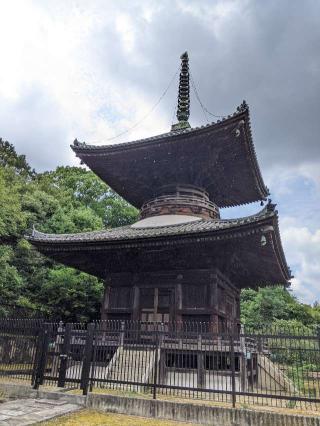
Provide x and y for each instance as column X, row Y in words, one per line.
column 130, row 233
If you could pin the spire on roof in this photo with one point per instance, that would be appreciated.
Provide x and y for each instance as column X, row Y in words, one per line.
column 183, row 110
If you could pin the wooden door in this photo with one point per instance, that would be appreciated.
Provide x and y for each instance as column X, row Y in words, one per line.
column 156, row 304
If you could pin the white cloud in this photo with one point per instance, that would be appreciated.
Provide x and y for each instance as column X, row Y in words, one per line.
column 125, row 27
column 303, row 252
column 49, row 54
column 282, row 179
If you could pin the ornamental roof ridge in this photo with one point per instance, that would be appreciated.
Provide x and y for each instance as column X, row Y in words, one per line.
column 78, row 146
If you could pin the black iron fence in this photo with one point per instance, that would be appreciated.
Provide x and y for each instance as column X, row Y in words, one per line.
column 276, row 367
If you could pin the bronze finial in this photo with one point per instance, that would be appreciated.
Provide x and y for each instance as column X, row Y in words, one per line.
column 183, row 110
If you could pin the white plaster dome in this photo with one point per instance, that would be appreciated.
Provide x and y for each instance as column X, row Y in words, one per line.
column 164, row 220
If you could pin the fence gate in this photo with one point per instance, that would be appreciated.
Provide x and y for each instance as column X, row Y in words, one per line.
column 63, row 355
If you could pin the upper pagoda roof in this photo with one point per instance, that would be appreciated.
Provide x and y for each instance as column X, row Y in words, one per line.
column 219, row 157
column 236, row 243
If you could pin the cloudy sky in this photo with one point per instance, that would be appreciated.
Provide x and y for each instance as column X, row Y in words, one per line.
column 93, row 69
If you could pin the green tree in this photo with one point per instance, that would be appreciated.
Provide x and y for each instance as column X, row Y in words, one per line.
column 270, row 305
column 10, row 280
column 12, row 218
column 66, row 200
column 10, row 158
column 84, row 188
column 70, row 294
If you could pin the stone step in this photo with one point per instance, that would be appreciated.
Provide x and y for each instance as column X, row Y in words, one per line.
column 124, row 359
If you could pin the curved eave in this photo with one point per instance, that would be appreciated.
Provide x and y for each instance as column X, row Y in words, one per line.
column 279, row 253
column 265, row 223
column 91, row 155
column 128, row 232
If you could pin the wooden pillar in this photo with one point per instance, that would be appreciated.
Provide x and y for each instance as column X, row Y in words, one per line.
column 155, row 304
column 237, row 309
column 105, row 302
column 213, row 300
column 136, row 303
column 178, row 309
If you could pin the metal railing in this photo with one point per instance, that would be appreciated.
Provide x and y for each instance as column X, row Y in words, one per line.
column 278, row 367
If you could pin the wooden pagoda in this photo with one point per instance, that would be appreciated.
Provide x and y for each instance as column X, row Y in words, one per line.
column 180, row 261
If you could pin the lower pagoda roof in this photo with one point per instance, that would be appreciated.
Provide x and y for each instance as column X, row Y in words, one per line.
column 247, row 249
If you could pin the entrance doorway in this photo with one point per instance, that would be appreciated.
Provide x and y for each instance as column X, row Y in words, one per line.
column 156, row 304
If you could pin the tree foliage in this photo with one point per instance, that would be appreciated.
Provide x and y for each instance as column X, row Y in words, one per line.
column 9, row 158
column 68, row 199
column 276, row 306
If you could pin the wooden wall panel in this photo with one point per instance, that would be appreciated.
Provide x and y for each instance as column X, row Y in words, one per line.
column 197, row 293
column 194, row 296
column 120, row 297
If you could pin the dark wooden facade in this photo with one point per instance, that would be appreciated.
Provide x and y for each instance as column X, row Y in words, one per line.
column 187, row 295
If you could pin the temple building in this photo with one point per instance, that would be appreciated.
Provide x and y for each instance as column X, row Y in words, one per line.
column 180, row 260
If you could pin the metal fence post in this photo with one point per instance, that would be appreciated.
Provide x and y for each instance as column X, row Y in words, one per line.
column 41, row 357
column 200, row 363
column 64, row 355
column 161, row 360
column 121, row 335
column 36, row 361
column 243, row 360
column 233, row 369
column 86, row 364
column 156, row 360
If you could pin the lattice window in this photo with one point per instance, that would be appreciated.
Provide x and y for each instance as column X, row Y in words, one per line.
column 164, row 298
column 147, row 298
column 194, row 296
column 120, row 297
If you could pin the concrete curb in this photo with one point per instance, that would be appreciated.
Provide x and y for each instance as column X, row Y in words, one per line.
column 169, row 410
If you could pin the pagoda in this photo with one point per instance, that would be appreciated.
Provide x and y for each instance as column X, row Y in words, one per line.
column 180, row 261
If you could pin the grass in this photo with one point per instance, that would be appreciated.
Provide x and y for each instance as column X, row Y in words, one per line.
column 15, row 380
column 94, row 418
column 10, row 367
